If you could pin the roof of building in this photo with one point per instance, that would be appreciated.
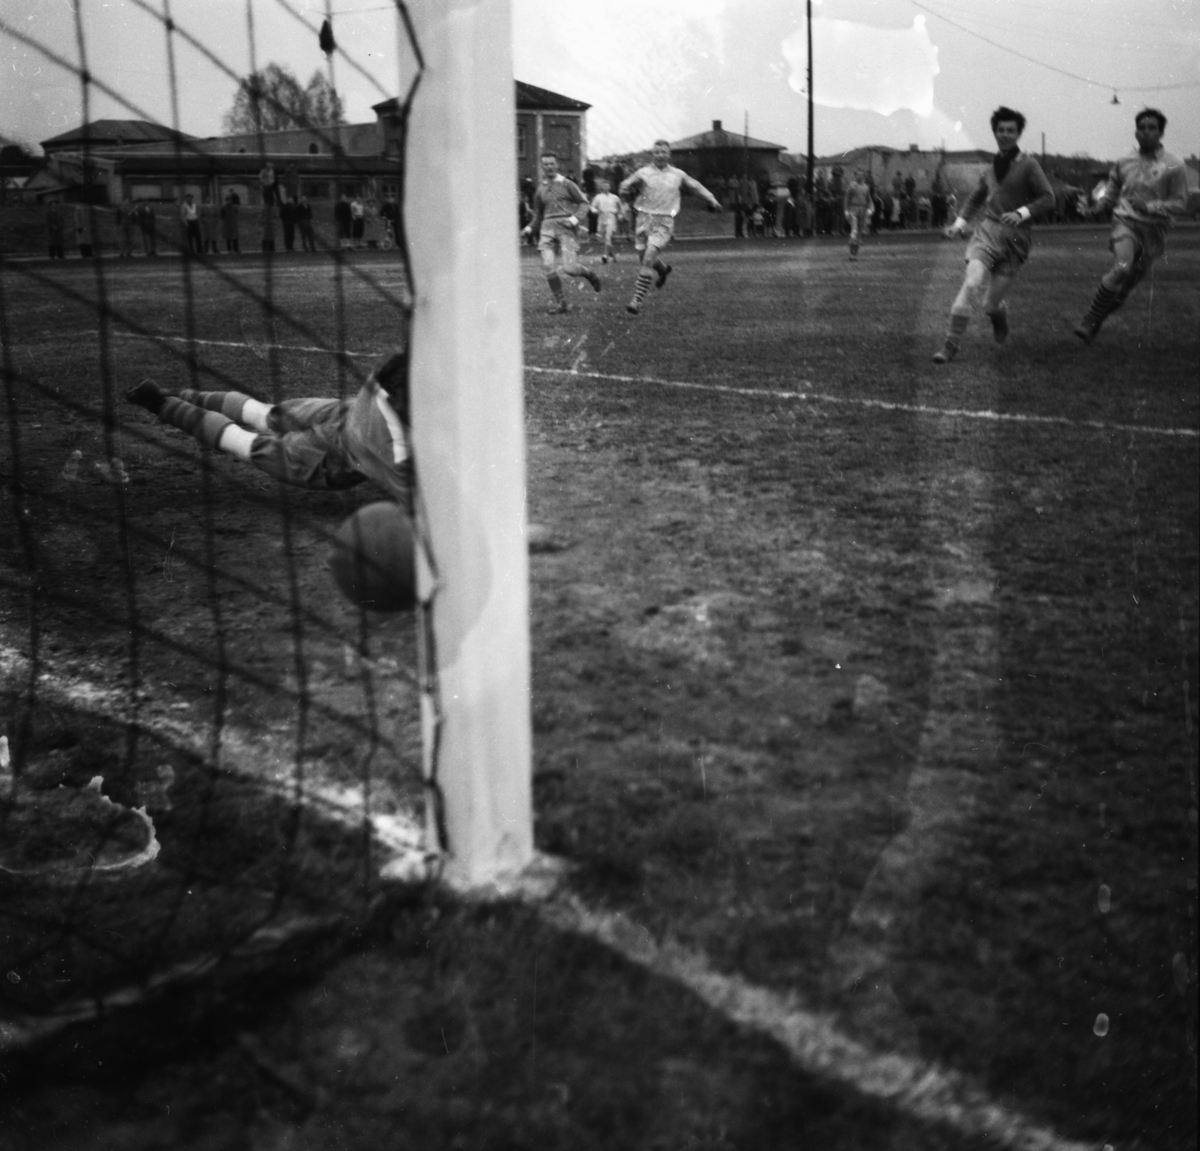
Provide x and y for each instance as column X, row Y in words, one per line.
column 719, row 138
column 110, row 133
column 531, row 97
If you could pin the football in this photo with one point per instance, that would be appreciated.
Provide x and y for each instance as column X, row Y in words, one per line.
column 372, row 558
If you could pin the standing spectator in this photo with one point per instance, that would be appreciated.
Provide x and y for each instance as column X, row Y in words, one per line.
column 372, row 224
column 126, row 223
column 876, row 211
column 230, row 211
column 291, row 182
column 54, row 230
column 287, row 218
column 924, row 208
column 85, row 231
column 209, row 225
column 148, row 226
column 266, row 180
column 268, row 227
column 858, row 210
column 343, row 218
column 590, row 190
column 357, row 221
column 391, row 216
column 304, row 221
column 189, row 216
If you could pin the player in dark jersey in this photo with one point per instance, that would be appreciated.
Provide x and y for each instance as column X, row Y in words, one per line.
column 1011, row 192
column 311, row 443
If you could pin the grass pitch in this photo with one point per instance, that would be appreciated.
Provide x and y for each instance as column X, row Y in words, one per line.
column 869, row 684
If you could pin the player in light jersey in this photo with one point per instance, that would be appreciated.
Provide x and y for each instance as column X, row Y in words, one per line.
column 1146, row 189
column 1011, row 192
column 556, row 204
column 607, row 206
column 658, row 187
column 310, row 443
column 859, row 209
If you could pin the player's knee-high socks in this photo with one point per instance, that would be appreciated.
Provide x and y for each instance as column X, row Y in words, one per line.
column 1106, row 301
column 235, row 406
column 958, row 325
column 555, row 282
column 644, row 278
column 197, row 421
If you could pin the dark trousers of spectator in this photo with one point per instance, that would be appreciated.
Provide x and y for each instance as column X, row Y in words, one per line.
column 308, row 241
column 56, row 252
column 289, row 235
column 149, row 241
column 195, row 242
column 739, row 221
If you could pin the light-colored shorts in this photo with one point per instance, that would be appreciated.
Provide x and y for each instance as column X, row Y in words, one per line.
column 1151, row 239
column 558, row 236
column 653, row 229
column 1002, row 248
column 608, row 225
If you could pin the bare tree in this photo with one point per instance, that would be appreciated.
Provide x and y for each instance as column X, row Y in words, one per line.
column 272, row 99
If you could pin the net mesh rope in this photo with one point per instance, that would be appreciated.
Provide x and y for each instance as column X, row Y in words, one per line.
column 205, row 753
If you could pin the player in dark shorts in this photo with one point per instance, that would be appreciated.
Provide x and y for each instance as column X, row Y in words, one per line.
column 1011, row 192
column 311, row 443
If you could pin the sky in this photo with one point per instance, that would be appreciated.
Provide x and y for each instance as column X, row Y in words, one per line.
column 886, row 72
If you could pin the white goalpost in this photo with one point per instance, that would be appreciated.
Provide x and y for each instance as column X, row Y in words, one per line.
column 469, row 438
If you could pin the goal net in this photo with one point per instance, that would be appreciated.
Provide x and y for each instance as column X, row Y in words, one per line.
column 211, row 761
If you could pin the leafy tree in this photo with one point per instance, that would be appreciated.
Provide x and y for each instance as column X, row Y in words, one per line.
column 273, row 99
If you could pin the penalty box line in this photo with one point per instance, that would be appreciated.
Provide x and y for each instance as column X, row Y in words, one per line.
column 881, row 405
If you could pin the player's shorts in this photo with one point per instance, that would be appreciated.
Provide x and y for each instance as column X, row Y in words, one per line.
column 559, row 237
column 1150, row 239
column 305, row 447
column 1002, row 248
column 653, row 228
column 858, row 218
column 608, row 225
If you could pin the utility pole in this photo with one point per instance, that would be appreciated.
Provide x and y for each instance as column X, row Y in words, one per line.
column 808, row 179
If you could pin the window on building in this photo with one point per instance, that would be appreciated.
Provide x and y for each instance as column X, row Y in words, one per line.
column 522, row 139
column 316, row 189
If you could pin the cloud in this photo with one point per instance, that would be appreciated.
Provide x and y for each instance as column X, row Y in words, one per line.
column 864, row 68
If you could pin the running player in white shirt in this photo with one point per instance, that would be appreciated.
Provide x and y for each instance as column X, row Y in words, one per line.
column 607, row 206
column 657, row 205
column 1146, row 189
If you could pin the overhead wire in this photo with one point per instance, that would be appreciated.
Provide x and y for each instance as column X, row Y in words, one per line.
column 1052, row 67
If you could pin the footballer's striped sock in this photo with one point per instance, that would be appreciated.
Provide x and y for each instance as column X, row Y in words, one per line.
column 206, row 426
column 643, row 284
column 236, row 406
column 1104, row 303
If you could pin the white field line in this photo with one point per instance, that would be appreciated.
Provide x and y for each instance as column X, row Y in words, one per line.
column 921, row 1089
column 728, row 389
column 401, row 838
column 918, row 1088
column 882, row 405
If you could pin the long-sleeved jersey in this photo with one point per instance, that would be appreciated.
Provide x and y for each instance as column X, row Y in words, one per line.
column 1024, row 186
column 375, row 443
column 659, row 193
column 1158, row 180
column 556, row 199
